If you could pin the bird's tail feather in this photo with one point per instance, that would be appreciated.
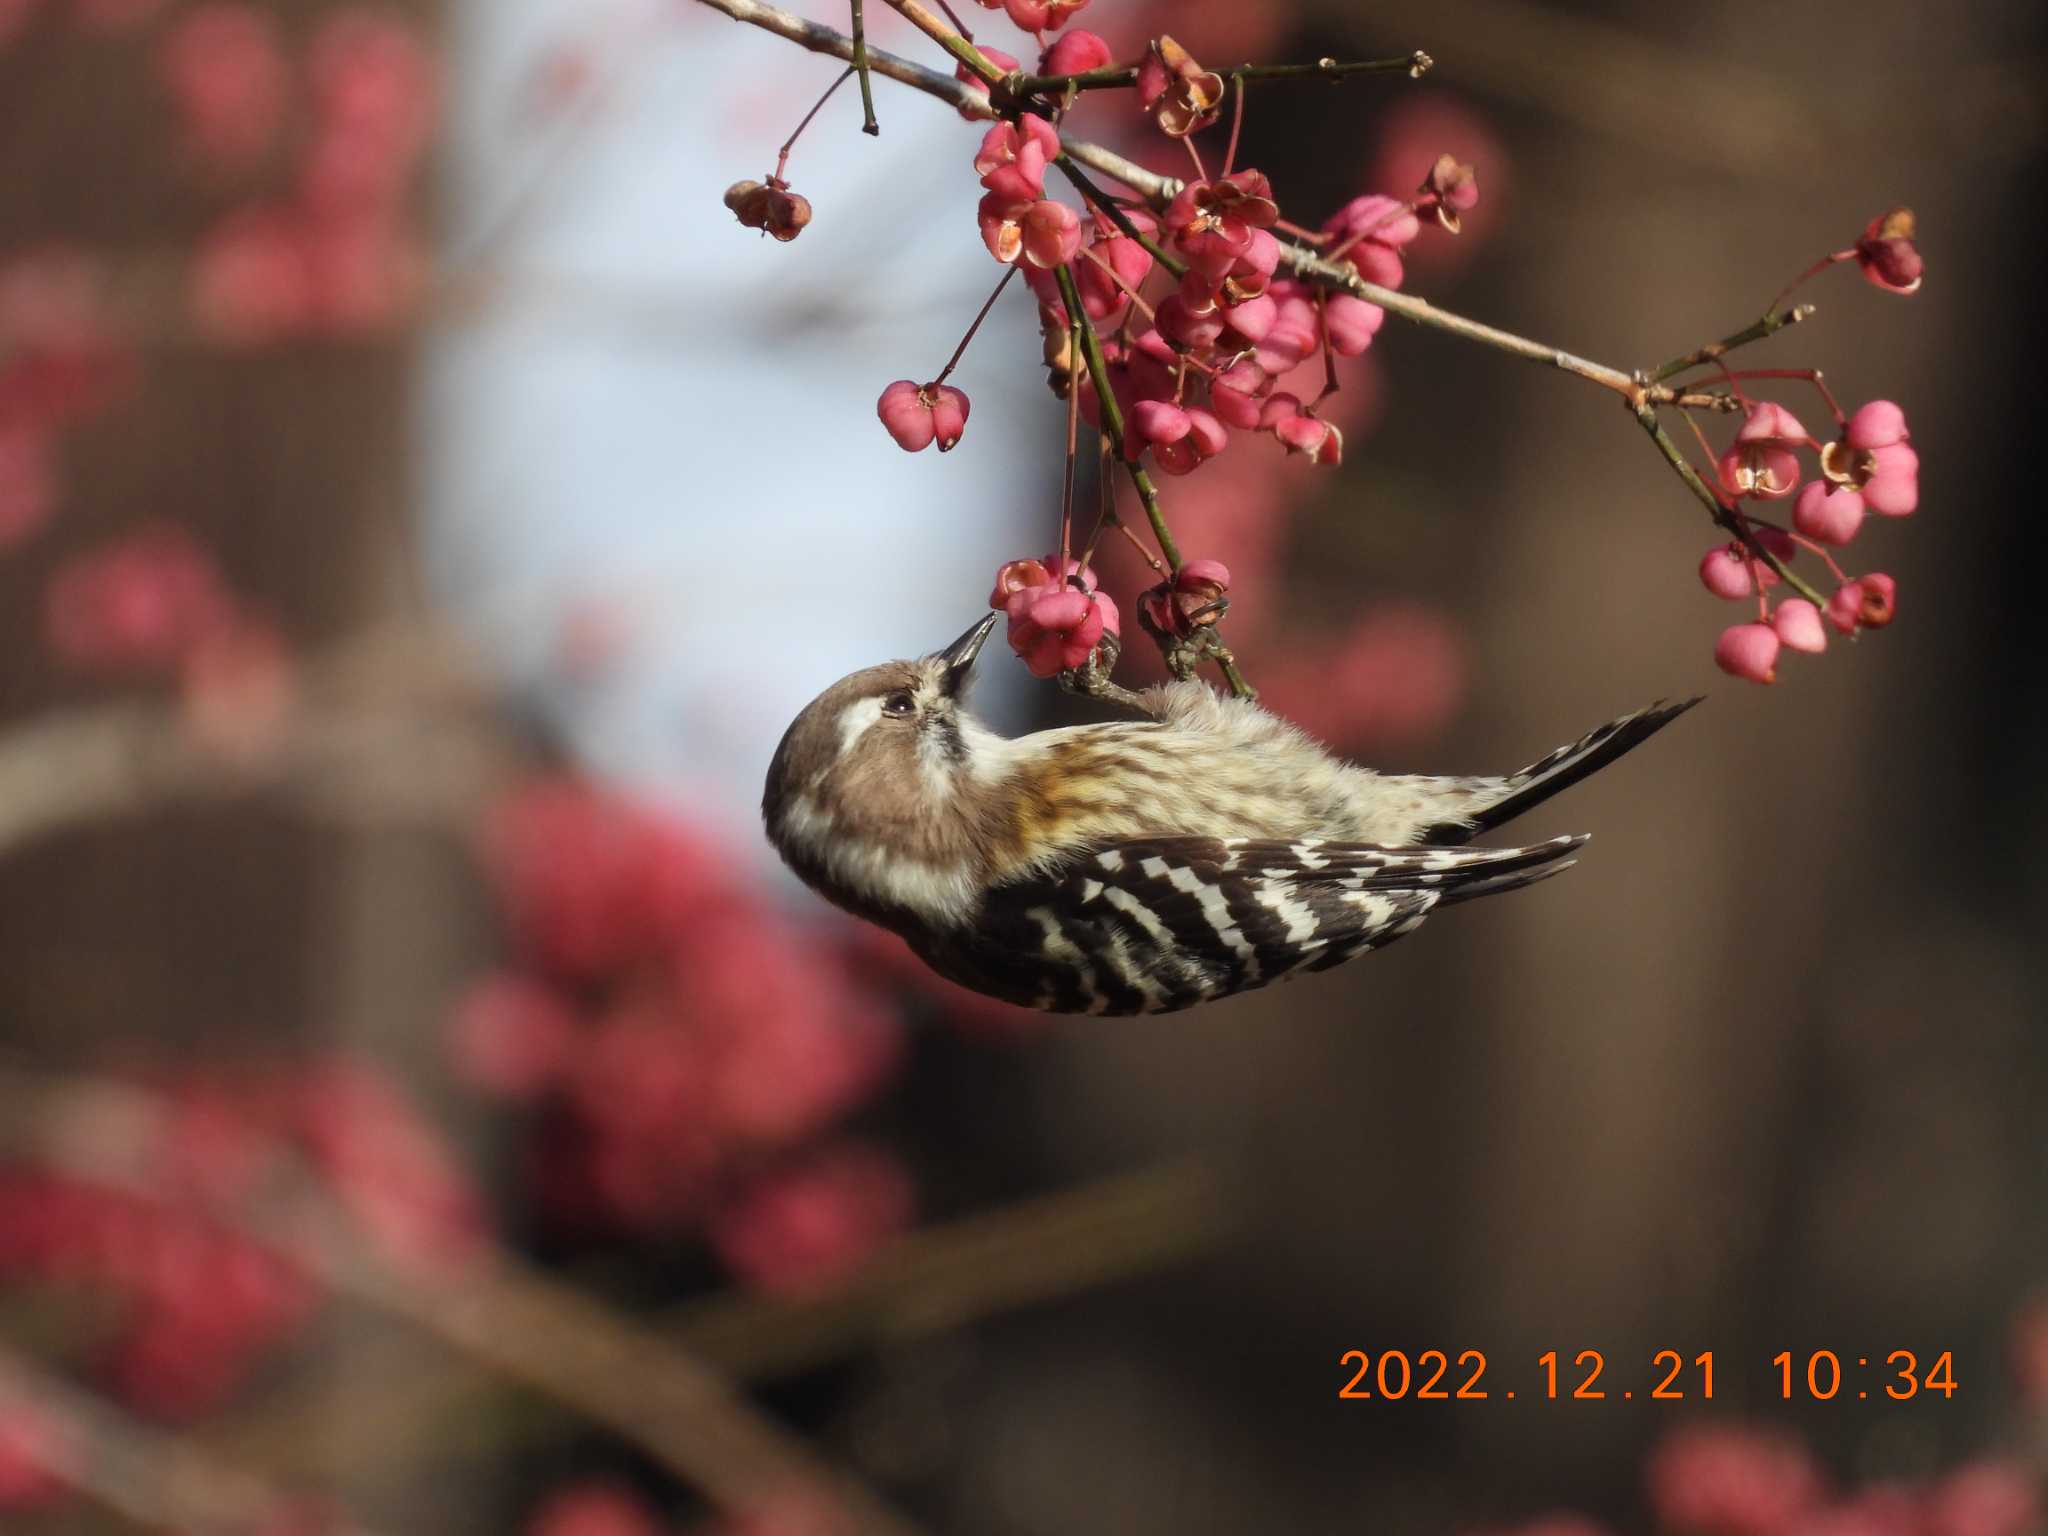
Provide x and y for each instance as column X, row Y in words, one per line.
column 1560, row 770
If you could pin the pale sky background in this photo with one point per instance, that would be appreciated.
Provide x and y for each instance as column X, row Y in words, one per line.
column 676, row 429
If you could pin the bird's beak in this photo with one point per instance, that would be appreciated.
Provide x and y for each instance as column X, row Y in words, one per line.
column 959, row 656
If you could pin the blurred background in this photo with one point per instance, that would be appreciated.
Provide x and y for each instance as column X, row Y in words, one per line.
column 424, row 1107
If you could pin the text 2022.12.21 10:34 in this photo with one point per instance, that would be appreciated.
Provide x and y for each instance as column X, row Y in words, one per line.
column 1822, row 1375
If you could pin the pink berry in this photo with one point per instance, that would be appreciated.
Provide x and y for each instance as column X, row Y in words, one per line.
column 1030, row 143
column 1797, row 623
column 1845, row 607
column 949, row 414
column 1055, row 629
column 1190, row 599
column 769, row 207
column 1887, row 254
column 1180, row 95
column 1828, row 513
column 225, row 69
column 1051, row 233
column 974, row 82
column 1018, row 576
column 1724, row 571
column 510, row 1037
column 1351, row 323
column 1234, row 394
column 1156, row 421
column 1880, row 600
column 1075, row 53
column 34, row 1452
column 1761, row 462
column 1205, row 438
column 28, row 481
column 1189, row 327
column 1730, row 1481
column 1748, row 651
column 1768, row 421
column 593, row 1509
column 804, row 1227
column 917, row 415
column 1891, row 480
column 1101, row 294
column 1450, row 188
column 1311, row 435
column 1376, row 219
column 1041, row 15
column 1986, row 1498
column 1876, row 425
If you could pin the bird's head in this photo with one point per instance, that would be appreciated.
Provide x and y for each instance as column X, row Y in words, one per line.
column 868, row 794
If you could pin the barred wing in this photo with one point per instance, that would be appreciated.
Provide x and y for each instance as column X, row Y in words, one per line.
column 1153, row 924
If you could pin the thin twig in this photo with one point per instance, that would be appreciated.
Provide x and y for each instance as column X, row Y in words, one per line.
column 980, row 315
column 1414, row 65
column 1769, row 325
column 782, row 155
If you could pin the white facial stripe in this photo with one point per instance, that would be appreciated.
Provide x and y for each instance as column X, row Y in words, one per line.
column 935, row 764
column 854, row 721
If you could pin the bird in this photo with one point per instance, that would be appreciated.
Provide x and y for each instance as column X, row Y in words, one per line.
column 1136, row 866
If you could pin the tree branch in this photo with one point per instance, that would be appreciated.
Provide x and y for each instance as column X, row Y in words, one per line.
column 1159, row 190
column 495, row 1310
column 141, row 1473
column 819, row 38
column 928, row 1282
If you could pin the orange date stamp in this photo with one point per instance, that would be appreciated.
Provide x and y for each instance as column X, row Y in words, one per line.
column 1669, row 1376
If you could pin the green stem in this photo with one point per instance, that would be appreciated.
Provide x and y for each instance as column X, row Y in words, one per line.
column 932, row 27
column 868, row 124
column 1117, row 216
column 1112, row 414
column 1113, row 436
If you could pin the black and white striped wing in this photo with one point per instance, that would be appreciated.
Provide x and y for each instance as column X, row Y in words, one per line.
column 1153, row 924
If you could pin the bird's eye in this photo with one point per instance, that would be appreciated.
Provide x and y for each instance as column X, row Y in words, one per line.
column 898, row 703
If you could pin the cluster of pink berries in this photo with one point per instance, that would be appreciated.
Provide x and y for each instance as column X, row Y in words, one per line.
column 1868, row 466
column 336, row 255
column 686, row 1054
column 153, row 603
column 1211, row 353
column 61, row 366
column 1728, row 1480
column 1214, row 351
column 593, row 1507
column 198, row 1303
column 1058, row 617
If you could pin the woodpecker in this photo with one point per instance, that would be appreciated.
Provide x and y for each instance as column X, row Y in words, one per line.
column 1138, row 866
